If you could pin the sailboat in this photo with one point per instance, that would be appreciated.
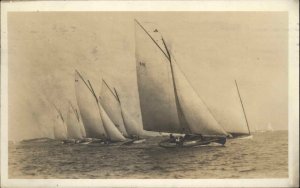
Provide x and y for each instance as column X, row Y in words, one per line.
column 88, row 108
column 60, row 130
column 111, row 105
column 167, row 100
column 118, row 113
column 96, row 121
column 131, row 124
column 73, row 123
column 270, row 128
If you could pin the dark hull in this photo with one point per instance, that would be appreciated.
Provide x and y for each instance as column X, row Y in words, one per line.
column 192, row 143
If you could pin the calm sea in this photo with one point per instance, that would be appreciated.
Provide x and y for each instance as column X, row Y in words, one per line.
column 264, row 156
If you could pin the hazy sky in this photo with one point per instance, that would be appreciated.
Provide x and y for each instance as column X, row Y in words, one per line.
column 211, row 48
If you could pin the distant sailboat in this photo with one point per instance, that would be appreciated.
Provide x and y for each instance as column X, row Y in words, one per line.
column 270, row 128
column 117, row 112
column 95, row 119
column 88, row 108
column 131, row 124
column 112, row 131
column 168, row 101
column 60, row 130
column 73, row 124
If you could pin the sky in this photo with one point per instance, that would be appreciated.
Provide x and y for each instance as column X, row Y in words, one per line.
column 211, row 48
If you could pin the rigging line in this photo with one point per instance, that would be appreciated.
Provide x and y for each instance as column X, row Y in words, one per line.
column 117, row 95
column 237, row 87
column 197, row 93
column 152, row 39
column 93, row 92
column 109, row 88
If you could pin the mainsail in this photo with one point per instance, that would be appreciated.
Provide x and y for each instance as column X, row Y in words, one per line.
column 110, row 103
column 155, row 85
column 73, row 124
column 165, row 91
column 88, row 108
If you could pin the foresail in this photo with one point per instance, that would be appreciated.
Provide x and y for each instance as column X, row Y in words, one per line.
column 112, row 107
column 155, row 85
column 73, row 125
column 196, row 113
column 113, row 133
column 88, row 109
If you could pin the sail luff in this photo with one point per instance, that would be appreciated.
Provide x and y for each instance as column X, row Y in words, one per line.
column 237, row 87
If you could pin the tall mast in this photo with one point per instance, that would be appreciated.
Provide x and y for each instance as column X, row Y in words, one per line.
column 237, row 87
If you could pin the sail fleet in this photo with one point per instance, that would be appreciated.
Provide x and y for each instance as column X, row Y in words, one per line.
column 168, row 103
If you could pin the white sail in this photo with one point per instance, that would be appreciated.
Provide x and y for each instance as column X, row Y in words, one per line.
column 110, row 103
column 112, row 131
column 88, row 109
column 73, row 126
column 199, row 118
column 155, row 85
column 60, row 131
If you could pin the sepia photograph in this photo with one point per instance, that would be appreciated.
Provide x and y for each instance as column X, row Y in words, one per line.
column 147, row 95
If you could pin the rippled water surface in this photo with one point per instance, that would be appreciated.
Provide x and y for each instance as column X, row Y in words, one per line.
column 264, row 156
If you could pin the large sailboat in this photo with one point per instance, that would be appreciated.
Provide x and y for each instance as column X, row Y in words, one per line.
column 168, row 101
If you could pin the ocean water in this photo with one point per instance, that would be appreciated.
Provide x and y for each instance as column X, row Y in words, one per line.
column 264, row 156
